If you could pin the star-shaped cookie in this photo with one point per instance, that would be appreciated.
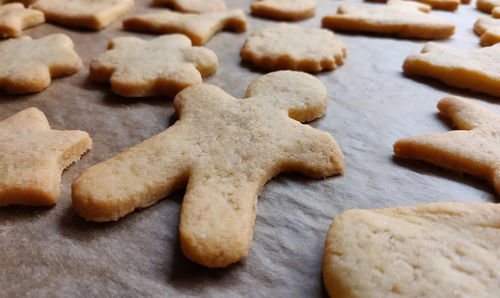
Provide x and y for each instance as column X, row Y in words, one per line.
column 489, row 30
column 286, row 46
column 194, row 6
column 405, row 19
column 92, row 14
column 475, row 69
column 198, row 27
column 432, row 250
column 474, row 149
column 27, row 65
column 286, row 10
column 14, row 18
column 33, row 156
column 161, row 66
column 224, row 149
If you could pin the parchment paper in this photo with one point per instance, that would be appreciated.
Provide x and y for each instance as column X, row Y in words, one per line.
column 53, row 252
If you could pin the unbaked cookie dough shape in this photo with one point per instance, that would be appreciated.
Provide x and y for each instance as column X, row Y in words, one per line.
column 432, row 250
column 406, row 19
column 161, row 66
column 224, row 149
column 286, row 46
column 198, row 27
column 14, row 17
column 28, row 64
column 475, row 69
column 91, row 14
column 33, row 156
column 489, row 31
column 194, row 6
column 473, row 149
column 286, row 10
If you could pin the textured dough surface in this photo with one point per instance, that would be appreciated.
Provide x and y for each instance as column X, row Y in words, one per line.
column 161, row 66
column 285, row 46
column 14, row 18
column 489, row 30
column 477, row 69
column 32, row 157
column 194, row 6
column 92, row 14
column 286, row 10
column 28, row 65
column 224, row 149
column 405, row 19
column 198, row 27
column 432, row 250
column 473, row 149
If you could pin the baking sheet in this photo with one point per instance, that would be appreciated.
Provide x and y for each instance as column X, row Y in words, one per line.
column 51, row 251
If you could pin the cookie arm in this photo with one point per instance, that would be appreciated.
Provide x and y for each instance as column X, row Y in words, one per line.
column 316, row 154
column 217, row 218
column 136, row 178
column 466, row 114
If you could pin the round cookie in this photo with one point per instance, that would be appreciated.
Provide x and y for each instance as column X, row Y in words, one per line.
column 285, row 46
column 287, row 10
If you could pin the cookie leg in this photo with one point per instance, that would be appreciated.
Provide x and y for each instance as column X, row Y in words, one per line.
column 217, row 219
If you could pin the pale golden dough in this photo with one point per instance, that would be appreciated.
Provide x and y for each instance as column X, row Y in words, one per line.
column 406, row 19
column 473, row 149
column 432, row 250
column 32, row 157
column 161, row 66
column 14, row 18
column 285, row 46
column 487, row 5
column 477, row 69
column 92, row 14
column 194, row 6
column 28, row 65
column 436, row 4
column 489, row 30
column 198, row 27
column 224, row 149
column 286, row 10
column 495, row 12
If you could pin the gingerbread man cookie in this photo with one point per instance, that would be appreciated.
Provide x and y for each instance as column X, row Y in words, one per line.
column 285, row 46
column 405, row 19
column 475, row 69
column 32, row 157
column 286, row 10
column 224, row 149
column 194, row 6
column 432, row 250
column 198, row 27
column 14, row 18
column 474, row 149
column 489, row 30
column 28, row 65
column 92, row 14
column 161, row 66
